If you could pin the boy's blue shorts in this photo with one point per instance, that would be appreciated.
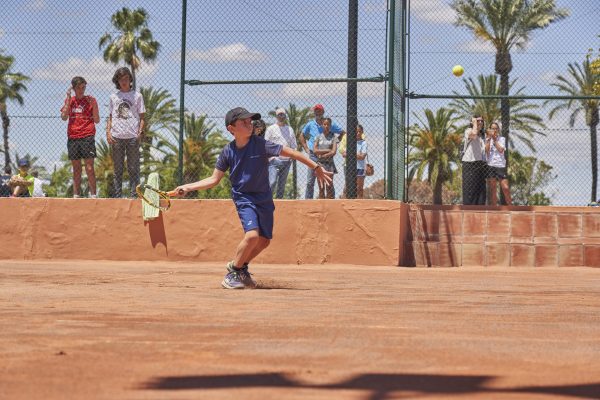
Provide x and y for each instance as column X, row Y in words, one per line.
column 257, row 216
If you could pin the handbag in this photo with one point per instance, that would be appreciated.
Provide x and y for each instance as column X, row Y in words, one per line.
column 369, row 168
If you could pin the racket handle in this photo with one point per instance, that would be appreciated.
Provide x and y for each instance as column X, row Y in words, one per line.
column 181, row 192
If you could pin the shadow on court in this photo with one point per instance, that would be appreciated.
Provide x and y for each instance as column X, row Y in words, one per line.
column 380, row 386
column 270, row 284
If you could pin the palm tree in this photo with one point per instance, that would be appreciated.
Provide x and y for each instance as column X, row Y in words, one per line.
column 202, row 145
column 105, row 168
column 161, row 114
column 297, row 118
column 580, row 82
column 134, row 36
column 506, row 24
column 524, row 123
column 11, row 87
column 435, row 144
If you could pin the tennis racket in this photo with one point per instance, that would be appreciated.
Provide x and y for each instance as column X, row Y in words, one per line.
column 155, row 197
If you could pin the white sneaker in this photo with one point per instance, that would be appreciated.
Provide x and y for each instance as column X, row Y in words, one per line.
column 76, row 196
column 93, row 196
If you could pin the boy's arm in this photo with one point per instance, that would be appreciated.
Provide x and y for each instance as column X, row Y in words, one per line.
column 322, row 175
column 203, row 184
column 95, row 112
column 109, row 138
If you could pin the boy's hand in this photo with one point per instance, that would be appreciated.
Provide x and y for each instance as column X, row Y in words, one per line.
column 179, row 191
column 323, row 177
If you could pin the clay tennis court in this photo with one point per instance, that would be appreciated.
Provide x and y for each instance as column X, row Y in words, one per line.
column 154, row 330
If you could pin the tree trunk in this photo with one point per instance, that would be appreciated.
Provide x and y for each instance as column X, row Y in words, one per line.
column 437, row 191
column 503, row 68
column 5, row 125
column 594, row 151
column 133, row 73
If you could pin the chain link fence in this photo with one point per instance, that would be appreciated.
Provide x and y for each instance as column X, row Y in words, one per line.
column 49, row 43
column 265, row 55
column 540, row 52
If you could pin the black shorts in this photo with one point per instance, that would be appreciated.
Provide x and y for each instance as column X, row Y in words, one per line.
column 498, row 173
column 82, row 148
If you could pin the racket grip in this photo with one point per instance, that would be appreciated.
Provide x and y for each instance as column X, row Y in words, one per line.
column 181, row 192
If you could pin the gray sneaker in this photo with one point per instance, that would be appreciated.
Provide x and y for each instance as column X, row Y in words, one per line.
column 236, row 276
column 233, row 280
column 247, row 277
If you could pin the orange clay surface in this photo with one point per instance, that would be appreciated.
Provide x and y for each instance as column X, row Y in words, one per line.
column 123, row 330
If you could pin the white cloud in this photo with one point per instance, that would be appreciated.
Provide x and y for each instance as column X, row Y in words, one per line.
column 96, row 72
column 35, row 5
column 320, row 90
column 549, row 77
column 477, row 46
column 434, row 11
column 235, row 52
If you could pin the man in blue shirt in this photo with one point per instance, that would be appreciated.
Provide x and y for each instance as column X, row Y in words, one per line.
column 247, row 159
column 309, row 133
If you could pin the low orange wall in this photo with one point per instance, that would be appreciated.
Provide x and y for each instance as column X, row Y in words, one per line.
column 447, row 236
column 306, row 232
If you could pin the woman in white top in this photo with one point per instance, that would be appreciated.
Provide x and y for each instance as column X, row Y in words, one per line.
column 495, row 146
column 474, row 167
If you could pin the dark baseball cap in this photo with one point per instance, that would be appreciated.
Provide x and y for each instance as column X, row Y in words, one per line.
column 23, row 162
column 239, row 113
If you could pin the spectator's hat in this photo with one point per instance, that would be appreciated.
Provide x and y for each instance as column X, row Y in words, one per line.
column 280, row 111
column 318, row 107
column 239, row 113
column 23, row 162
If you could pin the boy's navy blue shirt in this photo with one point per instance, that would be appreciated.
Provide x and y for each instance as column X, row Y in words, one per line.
column 249, row 169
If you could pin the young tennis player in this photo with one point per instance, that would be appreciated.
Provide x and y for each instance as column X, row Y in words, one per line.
column 247, row 159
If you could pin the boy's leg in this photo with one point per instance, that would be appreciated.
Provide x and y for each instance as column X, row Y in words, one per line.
column 246, row 248
column 133, row 165
column 360, row 183
column 89, row 170
column 493, row 192
column 506, row 191
column 262, row 244
column 118, row 156
column 76, row 176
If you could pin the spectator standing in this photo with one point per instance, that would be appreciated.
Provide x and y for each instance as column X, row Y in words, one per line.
column 325, row 147
column 474, row 167
column 125, row 129
column 82, row 113
column 279, row 167
column 310, row 131
column 495, row 146
column 5, row 182
column 361, row 155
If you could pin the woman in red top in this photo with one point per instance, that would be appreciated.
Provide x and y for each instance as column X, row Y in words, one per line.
column 82, row 113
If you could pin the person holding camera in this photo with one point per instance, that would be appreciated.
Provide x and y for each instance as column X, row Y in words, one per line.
column 474, row 167
column 495, row 146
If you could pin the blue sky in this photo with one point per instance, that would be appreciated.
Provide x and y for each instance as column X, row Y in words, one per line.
column 245, row 39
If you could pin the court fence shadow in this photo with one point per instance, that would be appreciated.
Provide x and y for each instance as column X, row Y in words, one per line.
column 379, row 386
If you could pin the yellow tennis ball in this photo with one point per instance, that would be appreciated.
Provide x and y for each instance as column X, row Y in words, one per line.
column 458, row 70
